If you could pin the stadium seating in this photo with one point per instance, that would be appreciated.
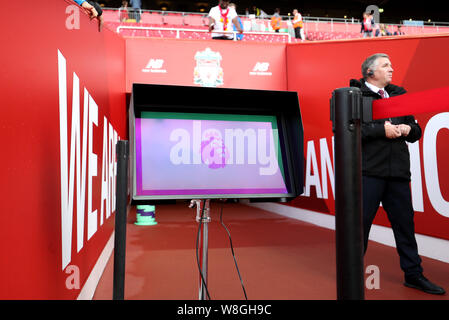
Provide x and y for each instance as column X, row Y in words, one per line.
column 151, row 18
column 314, row 30
column 195, row 20
column 175, row 19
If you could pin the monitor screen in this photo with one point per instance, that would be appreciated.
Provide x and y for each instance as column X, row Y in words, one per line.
column 205, row 155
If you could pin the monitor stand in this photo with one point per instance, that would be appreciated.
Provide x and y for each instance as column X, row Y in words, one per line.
column 203, row 218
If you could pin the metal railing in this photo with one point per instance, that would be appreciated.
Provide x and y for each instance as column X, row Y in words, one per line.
column 268, row 17
column 178, row 30
column 350, row 20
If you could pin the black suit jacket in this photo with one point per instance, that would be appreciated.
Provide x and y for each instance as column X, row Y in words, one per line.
column 383, row 157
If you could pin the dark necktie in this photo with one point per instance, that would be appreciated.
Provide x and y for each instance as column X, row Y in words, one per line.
column 382, row 94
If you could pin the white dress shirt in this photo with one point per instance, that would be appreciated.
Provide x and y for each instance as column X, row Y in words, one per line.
column 376, row 89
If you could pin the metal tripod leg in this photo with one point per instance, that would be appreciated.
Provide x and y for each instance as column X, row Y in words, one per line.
column 203, row 217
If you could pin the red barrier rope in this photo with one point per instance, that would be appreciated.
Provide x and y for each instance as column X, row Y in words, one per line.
column 433, row 100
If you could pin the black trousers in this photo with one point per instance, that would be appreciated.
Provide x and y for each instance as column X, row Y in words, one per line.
column 396, row 199
column 136, row 14
column 298, row 33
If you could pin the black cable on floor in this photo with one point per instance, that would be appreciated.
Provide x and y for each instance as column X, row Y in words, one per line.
column 197, row 249
column 232, row 250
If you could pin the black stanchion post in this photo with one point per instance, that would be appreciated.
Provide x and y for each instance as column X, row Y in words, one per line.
column 346, row 106
column 122, row 149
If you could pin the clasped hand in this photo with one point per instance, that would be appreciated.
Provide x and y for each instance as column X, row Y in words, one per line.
column 393, row 131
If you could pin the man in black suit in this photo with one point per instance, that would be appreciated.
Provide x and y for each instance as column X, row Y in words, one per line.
column 386, row 170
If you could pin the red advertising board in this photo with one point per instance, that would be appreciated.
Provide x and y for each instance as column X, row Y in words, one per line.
column 316, row 69
column 215, row 63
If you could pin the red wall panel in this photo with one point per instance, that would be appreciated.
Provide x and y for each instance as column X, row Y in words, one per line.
column 31, row 164
column 316, row 69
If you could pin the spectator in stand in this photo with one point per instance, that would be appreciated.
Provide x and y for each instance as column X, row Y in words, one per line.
column 398, row 31
column 97, row 7
column 367, row 25
column 93, row 9
column 221, row 18
column 240, row 35
column 88, row 8
column 136, row 4
column 276, row 20
column 263, row 14
column 123, row 11
column 255, row 11
column 382, row 31
column 298, row 25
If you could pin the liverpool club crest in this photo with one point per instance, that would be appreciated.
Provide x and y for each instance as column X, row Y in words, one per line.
column 207, row 72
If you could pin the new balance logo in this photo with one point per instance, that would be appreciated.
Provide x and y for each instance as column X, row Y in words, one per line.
column 155, row 66
column 261, row 69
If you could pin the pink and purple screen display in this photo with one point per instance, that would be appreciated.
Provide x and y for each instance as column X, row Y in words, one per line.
column 180, row 154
